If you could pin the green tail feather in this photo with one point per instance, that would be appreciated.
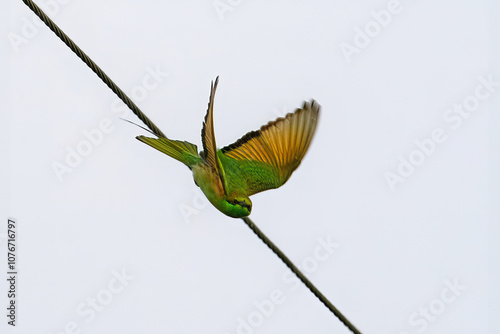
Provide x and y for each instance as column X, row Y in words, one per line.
column 182, row 151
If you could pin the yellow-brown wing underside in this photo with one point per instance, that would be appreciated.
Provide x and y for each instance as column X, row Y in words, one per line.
column 276, row 149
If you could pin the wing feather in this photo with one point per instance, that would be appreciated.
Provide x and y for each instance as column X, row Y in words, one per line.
column 209, row 153
column 208, row 133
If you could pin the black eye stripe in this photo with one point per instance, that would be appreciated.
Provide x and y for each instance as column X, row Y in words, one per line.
column 240, row 203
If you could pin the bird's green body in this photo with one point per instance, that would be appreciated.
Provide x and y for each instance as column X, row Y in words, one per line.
column 260, row 160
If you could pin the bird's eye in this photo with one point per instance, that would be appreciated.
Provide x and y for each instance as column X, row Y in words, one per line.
column 244, row 204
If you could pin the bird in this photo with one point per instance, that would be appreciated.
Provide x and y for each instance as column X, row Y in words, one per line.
column 260, row 160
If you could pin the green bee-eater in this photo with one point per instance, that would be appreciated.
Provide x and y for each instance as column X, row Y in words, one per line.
column 258, row 161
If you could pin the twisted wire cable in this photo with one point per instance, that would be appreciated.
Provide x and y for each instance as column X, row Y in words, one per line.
column 300, row 275
column 93, row 66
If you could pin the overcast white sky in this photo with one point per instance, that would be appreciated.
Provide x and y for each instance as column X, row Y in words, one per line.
column 392, row 213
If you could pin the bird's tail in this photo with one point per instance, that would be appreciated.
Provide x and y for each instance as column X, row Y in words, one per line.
column 182, row 151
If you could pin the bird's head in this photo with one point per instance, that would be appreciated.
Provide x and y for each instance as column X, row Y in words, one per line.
column 236, row 206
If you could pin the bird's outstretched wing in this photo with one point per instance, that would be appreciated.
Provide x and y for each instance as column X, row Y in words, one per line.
column 209, row 153
column 266, row 158
column 183, row 151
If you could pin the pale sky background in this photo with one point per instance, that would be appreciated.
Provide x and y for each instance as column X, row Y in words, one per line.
column 125, row 210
